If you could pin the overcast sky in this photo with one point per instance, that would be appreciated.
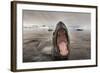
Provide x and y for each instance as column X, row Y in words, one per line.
column 72, row 20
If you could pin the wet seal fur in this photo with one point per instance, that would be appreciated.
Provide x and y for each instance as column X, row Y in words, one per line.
column 55, row 52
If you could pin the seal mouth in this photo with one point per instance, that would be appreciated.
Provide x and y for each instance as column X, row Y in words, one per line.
column 62, row 42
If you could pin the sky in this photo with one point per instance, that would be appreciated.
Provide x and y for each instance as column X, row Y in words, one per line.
column 72, row 20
